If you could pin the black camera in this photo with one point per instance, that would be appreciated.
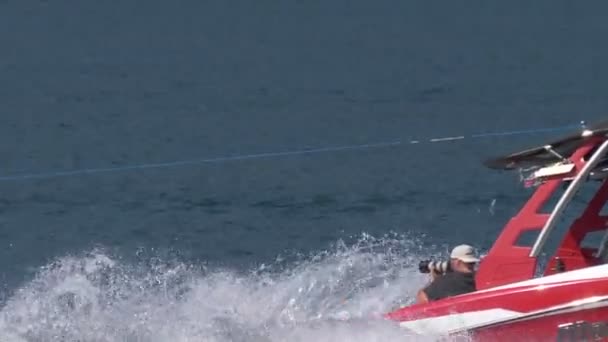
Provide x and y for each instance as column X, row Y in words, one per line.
column 441, row 267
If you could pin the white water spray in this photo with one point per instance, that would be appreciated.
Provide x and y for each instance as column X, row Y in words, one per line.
column 337, row 295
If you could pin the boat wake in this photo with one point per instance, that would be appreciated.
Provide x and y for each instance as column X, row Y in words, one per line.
column 336, row 295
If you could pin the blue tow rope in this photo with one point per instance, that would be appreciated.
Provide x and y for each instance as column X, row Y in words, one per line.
column 241, row 157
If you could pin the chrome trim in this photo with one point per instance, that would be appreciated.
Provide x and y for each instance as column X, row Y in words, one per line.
column 566, row 198
column 602, row 248
column 550, row 149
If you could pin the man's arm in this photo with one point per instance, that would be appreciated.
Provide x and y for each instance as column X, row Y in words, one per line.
column 421, row 297
column 432, row 291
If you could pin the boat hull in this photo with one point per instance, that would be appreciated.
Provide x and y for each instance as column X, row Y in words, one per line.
column 565, row 306
column 581, row 325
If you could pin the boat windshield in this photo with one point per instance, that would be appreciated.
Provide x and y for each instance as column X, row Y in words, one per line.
column 592, row 240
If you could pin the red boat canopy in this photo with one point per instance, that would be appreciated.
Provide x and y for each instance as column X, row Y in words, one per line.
column 574, row 159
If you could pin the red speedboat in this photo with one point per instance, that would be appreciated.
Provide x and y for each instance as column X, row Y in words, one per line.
column 518, row 298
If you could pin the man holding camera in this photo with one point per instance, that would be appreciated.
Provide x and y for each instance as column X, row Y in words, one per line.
column 457, row 278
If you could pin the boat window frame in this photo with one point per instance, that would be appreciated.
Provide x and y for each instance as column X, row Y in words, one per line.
column 566, row 198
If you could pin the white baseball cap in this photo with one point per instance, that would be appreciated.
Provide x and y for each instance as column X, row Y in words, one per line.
column 464, row 253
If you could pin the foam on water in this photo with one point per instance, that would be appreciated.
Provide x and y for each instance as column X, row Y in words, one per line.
column 336, row 295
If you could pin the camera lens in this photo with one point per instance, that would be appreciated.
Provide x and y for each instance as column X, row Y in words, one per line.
column 426, row 266
column 423, row 266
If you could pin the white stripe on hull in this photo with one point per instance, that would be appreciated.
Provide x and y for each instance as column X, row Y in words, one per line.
column 459, row 322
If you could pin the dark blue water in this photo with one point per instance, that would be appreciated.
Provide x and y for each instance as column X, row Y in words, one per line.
column 115, row 83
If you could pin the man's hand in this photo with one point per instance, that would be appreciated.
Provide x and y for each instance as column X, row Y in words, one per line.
column 435, row 274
